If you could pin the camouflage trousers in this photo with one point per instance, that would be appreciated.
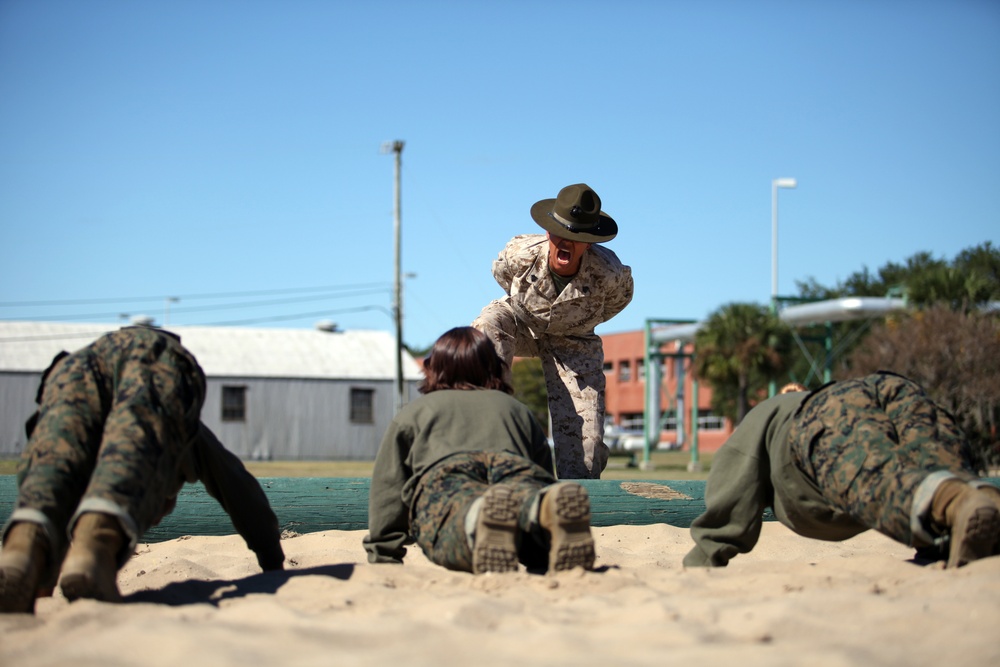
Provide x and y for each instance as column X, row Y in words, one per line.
column 574, row 380
column 869, row 444
column 113, row 422
column 448, row 490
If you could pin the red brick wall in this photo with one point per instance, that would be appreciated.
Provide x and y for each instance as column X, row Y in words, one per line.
column 627, row 396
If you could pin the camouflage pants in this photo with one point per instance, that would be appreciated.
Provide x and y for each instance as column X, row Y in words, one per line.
column 869, row 443
column 114, row 420
column 447, row 491
column 574, row 381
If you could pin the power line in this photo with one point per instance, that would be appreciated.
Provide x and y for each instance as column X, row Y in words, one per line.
column 298, row 316
column 213, row 307
column 274, row 318
column 190, row 297
column 58, row 336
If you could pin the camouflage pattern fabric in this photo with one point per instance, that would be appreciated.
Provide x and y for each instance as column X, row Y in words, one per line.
column 114, row 420
column 536, row 320
column 447, row 491
column 868, row 443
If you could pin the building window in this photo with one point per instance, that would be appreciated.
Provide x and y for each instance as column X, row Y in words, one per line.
column 608, row 367
column 362, row 406
column 633, row 421
column 709, row 422
column 640, row 366
column 624, row 371
column 234, row 404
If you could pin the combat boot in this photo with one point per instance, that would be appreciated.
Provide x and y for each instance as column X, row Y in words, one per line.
column 993, row 492
column 495, row 548
column 91, row 566
column 972, row 517
column 565, row 514
column 23, row 566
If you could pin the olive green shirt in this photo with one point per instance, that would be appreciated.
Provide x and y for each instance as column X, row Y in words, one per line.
column 428, row 430
column 755, row 470
column 228, row 481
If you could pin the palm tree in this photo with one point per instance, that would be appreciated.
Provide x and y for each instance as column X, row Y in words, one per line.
column 738, row 350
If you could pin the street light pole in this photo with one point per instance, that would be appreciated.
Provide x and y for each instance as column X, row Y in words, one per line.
column 775, row 184
column 166, row 310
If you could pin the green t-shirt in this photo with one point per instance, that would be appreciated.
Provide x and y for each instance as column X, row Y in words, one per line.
column 559, row 281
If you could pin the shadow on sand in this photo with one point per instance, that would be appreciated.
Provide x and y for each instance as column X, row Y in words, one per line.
column 214, row 591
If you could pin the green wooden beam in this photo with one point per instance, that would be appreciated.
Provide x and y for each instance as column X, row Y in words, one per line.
column 309, row 505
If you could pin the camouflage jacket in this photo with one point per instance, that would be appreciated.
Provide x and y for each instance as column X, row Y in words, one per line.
column 600, row 290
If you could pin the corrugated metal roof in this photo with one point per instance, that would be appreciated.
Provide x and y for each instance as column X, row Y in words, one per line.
column 227, row 351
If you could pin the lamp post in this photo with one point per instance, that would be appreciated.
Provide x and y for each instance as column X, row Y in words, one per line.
column 166, row 309
column 775, row 184
column 396, row 147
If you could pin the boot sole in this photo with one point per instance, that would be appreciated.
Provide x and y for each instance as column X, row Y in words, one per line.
column 566, row 515
column 81, row 580
column 17, row 594
column 495, row 547
column 77, row 586
column 975, row 536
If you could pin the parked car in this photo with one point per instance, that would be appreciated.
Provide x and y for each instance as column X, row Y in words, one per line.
column 630, row 440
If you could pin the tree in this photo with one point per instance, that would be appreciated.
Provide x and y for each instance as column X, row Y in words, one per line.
column 737, row 351
column 954, row 355
column 969, row 282
column 529, row 388
column 983, row 260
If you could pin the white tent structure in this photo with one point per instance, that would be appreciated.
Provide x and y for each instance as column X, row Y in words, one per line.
column 660, row 332
column 801, row 315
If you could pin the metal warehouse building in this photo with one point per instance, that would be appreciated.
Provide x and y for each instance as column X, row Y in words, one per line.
column 291, row 394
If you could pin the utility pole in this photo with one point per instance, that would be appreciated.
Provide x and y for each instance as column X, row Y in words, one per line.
column 397, row 300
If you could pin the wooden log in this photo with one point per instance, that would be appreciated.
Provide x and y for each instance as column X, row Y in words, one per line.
column 308, row 505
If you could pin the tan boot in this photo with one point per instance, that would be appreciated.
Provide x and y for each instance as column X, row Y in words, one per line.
column 23, row 565
column 565, row 514
column 91, row 566
column 495, row 548
column 972, row 517
column 993, row 492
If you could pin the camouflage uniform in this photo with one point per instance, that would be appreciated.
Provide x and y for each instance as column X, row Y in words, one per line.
column 534, row 320
column 870, row 443
column 117, row 431
column 446, row 492
column 866, row 453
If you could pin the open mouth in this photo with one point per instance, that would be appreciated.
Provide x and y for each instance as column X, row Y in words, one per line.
column 564, row 256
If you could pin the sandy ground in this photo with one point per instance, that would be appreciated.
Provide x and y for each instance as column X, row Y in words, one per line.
column 793, row 601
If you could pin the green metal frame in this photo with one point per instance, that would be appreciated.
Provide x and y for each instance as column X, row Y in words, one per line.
column 652, row 359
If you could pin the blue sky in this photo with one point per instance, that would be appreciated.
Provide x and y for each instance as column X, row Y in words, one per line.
column 227, row 152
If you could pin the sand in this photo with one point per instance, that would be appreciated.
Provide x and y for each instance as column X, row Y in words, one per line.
column 793, row 601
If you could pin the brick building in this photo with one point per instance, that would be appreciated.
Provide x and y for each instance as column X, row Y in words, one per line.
column 624, row 367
